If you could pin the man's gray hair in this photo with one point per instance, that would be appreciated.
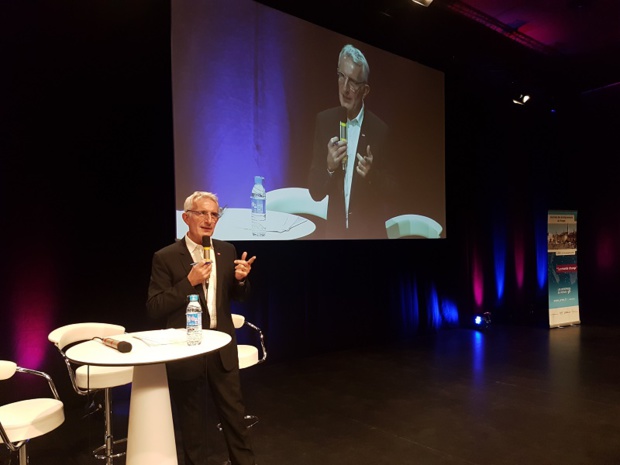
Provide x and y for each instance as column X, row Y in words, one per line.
column 198, row 195
column 356, row 57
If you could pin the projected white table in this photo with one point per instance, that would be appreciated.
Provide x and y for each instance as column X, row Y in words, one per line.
column 236, row 225
column 150, row 438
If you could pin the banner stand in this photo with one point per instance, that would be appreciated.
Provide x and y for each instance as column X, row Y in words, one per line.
column 562, row 268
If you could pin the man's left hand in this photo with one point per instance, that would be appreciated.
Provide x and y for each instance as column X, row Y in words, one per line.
column 364, row 164
column 243, row 266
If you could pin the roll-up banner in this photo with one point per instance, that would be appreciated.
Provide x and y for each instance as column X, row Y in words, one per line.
column 562, row 268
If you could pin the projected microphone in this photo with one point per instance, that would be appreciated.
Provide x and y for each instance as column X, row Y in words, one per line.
column 343, row 133
column 121, row 346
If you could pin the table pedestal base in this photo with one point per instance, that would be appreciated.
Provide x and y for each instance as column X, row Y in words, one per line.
column 150, row 439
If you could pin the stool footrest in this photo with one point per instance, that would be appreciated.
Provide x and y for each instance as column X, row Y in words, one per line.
column 250, row 420
column 97, row 455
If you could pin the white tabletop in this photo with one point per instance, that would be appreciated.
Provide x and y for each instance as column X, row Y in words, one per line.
column 150, row 436
column 236, row 225
column 148, row 347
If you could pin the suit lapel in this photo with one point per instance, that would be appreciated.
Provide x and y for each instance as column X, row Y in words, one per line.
column 220, row 271
column 185, row 259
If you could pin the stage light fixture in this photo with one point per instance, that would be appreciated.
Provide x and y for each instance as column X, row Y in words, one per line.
column 521, row 100
column 482, row 320
column 423, row 2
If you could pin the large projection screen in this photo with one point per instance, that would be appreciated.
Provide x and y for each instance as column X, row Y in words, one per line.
column 248, row 82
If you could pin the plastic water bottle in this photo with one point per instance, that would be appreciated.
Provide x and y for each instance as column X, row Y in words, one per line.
column 193, row 318
column 259, row 215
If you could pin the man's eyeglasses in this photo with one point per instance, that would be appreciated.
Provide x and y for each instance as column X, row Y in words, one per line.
column 352, row 84
column 205, row 214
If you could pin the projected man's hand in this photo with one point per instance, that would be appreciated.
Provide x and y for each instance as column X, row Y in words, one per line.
column 336, row 151
column 364, row 164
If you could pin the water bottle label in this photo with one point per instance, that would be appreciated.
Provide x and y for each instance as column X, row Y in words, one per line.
column 194, row 319
column 258, row 206
column 194, row 328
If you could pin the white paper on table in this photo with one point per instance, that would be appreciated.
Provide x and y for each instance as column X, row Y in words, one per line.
column 284, row 226
column 162, row 337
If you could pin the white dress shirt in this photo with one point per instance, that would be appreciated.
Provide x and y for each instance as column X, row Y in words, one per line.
column 354, row 127
column 209, row 287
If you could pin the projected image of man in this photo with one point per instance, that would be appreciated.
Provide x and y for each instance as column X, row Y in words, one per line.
column 349, row 159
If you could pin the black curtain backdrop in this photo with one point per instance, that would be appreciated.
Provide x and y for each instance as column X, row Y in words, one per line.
column 88, row 196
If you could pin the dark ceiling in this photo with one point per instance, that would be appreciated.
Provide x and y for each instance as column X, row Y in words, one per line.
column 570, row 46
column 570, row 27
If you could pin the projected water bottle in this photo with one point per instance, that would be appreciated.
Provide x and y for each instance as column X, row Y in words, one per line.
column 259, row 215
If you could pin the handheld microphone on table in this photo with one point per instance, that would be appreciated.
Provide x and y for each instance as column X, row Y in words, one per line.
column 121, row 346
column 343, row 133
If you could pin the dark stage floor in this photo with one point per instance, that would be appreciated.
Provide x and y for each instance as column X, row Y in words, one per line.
column 506, row 396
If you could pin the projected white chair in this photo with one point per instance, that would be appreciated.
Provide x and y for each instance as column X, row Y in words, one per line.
column 296, row 200
column 249, row 356
column 412, row 226
column 87, row 379
column 24, row 420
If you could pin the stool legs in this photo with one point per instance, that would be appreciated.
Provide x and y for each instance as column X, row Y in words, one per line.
column 23, row 455
column 109, row 442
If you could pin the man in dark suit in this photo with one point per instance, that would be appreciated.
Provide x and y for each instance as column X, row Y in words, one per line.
column 351, row 167
column 217, row 282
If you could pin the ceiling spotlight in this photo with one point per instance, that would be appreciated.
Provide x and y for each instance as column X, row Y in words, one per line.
column 521, row 100
column 423, row 2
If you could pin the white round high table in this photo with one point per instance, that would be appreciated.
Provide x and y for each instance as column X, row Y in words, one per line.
column 150, row 438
